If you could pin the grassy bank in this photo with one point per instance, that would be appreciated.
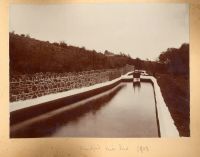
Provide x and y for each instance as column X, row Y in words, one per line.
column 29, row 56
column 175, row 91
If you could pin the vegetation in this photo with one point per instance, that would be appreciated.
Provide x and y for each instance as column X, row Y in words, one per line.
column 176, row 60
column 28, row 55
column 175, row 91
column 173, row 79
column 173, row 61
column 172, row 73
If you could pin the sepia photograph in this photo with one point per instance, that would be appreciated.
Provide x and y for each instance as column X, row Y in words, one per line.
column 116, row 70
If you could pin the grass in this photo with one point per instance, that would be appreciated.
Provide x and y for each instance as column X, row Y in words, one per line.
column 175, row 91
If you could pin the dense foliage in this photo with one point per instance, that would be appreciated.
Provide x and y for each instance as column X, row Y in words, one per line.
column 176, row 60
column 28, row 55
column 172, row 61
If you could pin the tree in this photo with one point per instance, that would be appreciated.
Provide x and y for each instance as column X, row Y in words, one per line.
column 62, row 44
column 138, row 63
column 176, row 60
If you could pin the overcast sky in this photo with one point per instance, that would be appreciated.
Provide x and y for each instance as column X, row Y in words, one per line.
column 142, row 30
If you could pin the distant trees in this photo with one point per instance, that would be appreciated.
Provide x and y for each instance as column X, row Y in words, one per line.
column 176, row 60
column 138, row 63
column 63, row 44
column 27, row 35
column 28, row 55
column 108, row 53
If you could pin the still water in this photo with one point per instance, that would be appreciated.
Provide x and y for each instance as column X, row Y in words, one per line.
column 123, row 111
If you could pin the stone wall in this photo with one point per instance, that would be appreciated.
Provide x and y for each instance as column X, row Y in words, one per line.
column 28, row 86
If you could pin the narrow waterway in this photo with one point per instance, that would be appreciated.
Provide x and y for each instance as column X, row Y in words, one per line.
column 123, row 111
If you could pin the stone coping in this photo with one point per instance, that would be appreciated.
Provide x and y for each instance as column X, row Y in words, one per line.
column 166, row 124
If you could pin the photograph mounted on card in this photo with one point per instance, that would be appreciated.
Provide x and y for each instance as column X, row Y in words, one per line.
column 99, row 70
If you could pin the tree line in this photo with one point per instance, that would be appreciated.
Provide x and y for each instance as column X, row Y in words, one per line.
column 173, row 61
column 28, row 55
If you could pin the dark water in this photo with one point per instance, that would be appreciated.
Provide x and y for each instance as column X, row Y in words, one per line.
column 123, row 111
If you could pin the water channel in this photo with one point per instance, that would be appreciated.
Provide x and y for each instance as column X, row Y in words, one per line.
column 126, row 110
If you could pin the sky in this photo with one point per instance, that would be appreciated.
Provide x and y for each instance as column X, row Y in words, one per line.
column 140, row 30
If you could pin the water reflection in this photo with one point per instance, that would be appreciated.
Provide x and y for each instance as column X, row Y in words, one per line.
column 136, row 86
column 119, row 112
column 47, row 124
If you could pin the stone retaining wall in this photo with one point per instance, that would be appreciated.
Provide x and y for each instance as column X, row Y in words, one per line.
column 28, row 86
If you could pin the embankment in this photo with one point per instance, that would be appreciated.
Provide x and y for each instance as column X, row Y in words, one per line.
column 29, row 86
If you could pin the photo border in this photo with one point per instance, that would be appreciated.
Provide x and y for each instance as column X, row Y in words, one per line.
column 86, row 147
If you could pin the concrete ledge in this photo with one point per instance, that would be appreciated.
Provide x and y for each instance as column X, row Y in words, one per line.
column 166, row 122
column 38, row 106
column 55, row 101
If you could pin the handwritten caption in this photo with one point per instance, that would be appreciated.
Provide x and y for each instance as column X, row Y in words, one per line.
column 118, row 147
column 84, row 150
